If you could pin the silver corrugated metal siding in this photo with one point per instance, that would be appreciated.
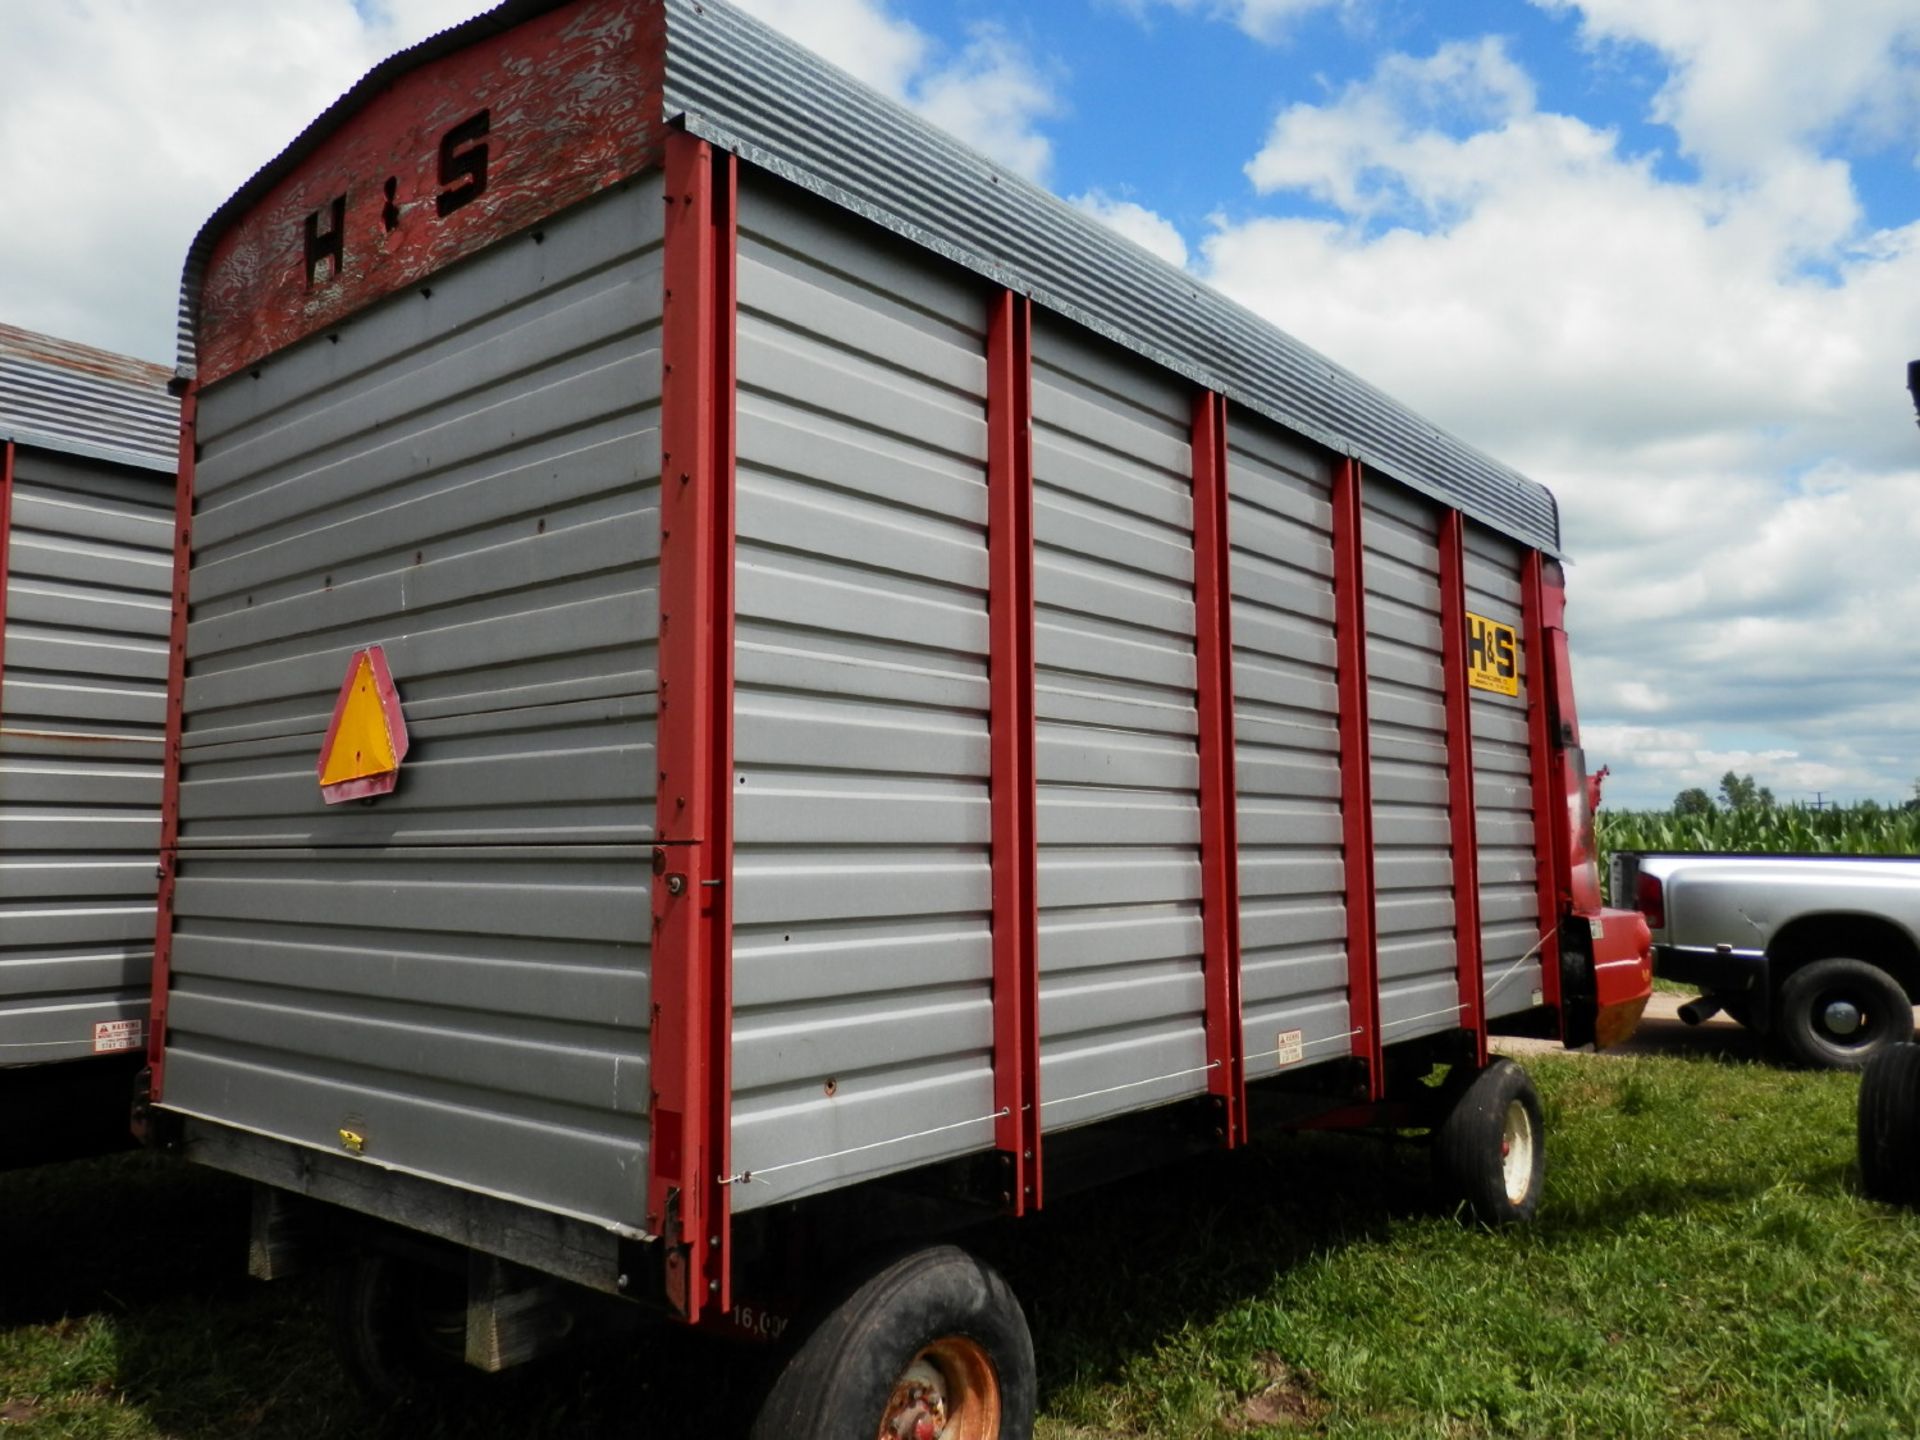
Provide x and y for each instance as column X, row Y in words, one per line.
column 61, row 396
column 1122, row 1004
column 1407, row 717
column 1503, row 790
column 862, row 941
column 459, row 973
column 82, row 718
column 1286, row 699
column 748, row 88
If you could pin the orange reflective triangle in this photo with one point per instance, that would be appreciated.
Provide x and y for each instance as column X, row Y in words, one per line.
column 368, row 737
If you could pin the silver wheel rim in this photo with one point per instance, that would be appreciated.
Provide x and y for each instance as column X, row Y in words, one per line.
column 1516, row 1152
column 1843, row 1018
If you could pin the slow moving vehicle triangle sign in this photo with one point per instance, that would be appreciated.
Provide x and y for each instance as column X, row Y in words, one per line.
column 367, row 739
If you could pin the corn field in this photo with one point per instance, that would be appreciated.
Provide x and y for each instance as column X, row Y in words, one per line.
column 1789, row 829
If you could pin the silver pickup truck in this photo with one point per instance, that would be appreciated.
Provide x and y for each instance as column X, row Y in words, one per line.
column 1821, row 953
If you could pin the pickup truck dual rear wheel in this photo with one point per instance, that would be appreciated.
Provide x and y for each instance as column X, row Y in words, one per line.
column 1836, row 1014
column 1489, row 1155
column 930, row 1346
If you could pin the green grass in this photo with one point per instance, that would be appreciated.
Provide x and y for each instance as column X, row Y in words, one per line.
column 1702, row 1267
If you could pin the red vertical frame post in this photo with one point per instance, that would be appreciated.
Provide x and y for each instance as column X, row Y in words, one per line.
column 170, row 757
column 1549, row 805
column 1219, row 849
column 687, row 1202
column 1016, row 941
column 1466, row 842
column 1356, row 771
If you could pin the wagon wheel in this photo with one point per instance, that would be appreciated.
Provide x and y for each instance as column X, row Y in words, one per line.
column 1489, row 1151
column 1889, row 1126
column 399, row 1328
column 931, row 1346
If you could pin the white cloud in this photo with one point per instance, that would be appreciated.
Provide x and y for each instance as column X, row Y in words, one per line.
column 112, row 156
column 125, row 123
column 1749, row 82
column 1267, row 20
column 1708, row 375
column 1150, row 231
column 992, row 94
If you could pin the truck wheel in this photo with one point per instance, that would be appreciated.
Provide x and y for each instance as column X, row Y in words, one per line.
column 932, row 1346
column 1889, row 1126
column 1488, row 1151
column 400, row 1330
column 1835, row 1014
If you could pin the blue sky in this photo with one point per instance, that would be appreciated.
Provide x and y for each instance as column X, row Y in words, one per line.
column 1662, row 256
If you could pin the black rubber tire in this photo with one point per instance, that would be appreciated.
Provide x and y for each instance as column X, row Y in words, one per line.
column 845, row 1360
column 1799, row 1030
column 1470, row 1146
column 399, row 1329
column 1889, row 1126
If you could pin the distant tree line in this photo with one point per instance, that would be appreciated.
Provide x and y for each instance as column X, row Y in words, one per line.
column 1741, row 793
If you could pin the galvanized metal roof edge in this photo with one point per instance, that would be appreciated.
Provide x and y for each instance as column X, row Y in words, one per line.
column 60, row 445
column 989, row 269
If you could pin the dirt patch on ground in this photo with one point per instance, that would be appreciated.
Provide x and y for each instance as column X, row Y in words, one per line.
column 1284, row 1401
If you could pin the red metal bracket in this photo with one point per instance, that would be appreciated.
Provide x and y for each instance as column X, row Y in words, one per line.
column 170, row 782
column 1549, row 804
column 1219, row 848
column 1356, row 771
column 688, row 1162
column 1016, row 940
column 1466, row 842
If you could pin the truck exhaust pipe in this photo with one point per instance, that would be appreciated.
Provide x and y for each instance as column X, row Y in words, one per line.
column 1700, row 1009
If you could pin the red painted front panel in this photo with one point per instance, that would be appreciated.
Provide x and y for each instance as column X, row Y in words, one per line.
column 572, row 104
column 686, row 1195
column 1219, row 847
column 1356, row 770
column 1016, row 977
column 1466, row 850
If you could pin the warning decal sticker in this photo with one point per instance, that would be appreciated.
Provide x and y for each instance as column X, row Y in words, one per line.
column 110, row 1036
column 1493, row 655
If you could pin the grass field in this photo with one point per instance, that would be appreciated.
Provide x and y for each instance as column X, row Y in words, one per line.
column 1702, row 1267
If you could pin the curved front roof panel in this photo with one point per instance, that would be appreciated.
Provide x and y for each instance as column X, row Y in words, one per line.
column 746, row 88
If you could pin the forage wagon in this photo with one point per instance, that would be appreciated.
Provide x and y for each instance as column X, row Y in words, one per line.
column 747, row 681
column 88, row 450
